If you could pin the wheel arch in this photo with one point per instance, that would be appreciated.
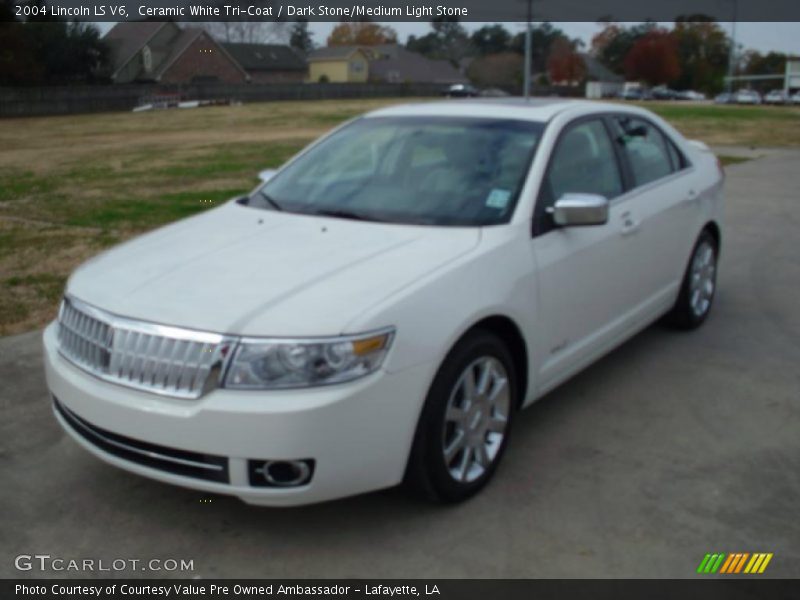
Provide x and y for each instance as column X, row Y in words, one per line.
column 712, row 227
column 507, row 330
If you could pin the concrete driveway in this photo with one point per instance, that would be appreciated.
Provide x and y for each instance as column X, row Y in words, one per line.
column 672, row 446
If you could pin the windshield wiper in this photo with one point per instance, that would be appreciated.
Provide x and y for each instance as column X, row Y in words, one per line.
column 340, row 213
column 272, row 202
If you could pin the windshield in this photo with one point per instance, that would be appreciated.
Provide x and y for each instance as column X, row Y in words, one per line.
column 423, row 170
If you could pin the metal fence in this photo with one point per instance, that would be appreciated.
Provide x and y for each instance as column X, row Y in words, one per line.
column 63, row 100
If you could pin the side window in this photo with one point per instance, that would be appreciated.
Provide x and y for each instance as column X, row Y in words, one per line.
column 678, row 161
column 646, row 148
column 583, row 162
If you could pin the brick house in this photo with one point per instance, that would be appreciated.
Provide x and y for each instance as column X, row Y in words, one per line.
column 165, row 53
column 269, row 63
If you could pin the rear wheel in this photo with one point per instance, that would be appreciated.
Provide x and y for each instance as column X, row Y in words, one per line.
column 466, row 421
column 699, row 285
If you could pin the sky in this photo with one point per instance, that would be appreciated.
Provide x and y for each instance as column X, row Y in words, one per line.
column 780, row 37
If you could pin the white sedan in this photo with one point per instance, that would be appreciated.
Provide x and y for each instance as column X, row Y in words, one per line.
column 378, row 309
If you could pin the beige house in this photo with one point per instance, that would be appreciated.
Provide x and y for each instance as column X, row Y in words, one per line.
column 338, row 64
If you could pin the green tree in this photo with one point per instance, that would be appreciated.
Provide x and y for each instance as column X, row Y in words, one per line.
column 46, row 50
column 772, row 63
column 300, row 38
column 542, row 37
column 448, row 40
column 703, row 48
column 490, row 39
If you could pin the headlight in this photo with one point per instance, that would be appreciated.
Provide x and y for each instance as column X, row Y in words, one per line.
column 275, row 363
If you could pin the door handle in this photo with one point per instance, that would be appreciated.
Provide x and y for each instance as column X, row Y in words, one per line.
column 629, row 224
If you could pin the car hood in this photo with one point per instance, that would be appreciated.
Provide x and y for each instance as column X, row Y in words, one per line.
column 247, row 271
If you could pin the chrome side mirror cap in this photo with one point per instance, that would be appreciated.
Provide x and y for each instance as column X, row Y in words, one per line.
column 580, row 210
column 267, row 174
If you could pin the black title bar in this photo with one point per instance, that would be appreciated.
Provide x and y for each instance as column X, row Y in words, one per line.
column 738, row 588
column 408, row 10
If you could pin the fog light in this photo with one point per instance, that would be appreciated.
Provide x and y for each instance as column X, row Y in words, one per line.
column 280, row 473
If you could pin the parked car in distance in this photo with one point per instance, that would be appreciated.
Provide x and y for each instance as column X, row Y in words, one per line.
column 493, row 93
column 691, row 95
column 664, row 93
column 795, row 98
column 634, row 93
column 723, row 98
column 378, row 309
column 747, row 97
column 777, row 97
column 461, row 90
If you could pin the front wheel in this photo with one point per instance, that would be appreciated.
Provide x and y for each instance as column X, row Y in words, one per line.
column 466, row 420
column 698, row 287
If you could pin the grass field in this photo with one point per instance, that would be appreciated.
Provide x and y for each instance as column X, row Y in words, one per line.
column 71, row 186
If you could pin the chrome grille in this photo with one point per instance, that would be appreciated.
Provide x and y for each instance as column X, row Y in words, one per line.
column 157, row 358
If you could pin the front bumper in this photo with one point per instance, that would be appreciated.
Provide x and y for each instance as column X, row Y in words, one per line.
column 358, row 434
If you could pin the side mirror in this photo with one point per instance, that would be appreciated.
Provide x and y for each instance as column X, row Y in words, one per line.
column 575, row 210
column 266, row 175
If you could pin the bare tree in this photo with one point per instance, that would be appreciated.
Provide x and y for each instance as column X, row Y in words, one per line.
column 256, row 31
column 249, row 32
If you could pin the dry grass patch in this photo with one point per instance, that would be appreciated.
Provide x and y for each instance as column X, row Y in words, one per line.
column 71, row 186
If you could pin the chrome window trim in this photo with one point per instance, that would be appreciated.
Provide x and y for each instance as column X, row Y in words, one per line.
column 651, row 185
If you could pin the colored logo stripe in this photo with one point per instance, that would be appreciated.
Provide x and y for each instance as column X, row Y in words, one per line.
column 710, row 563
column 758, row 563
column 735, row 563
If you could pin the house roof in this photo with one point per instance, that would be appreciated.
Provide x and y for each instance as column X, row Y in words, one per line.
column 127, row 38
column 394, row 62
column 177, row 47
column 183, row 41
column 266, row 57
column 333, row 52
column 597, row 71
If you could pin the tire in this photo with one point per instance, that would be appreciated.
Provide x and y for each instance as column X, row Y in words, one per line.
column 461, row 437
column 699, row 285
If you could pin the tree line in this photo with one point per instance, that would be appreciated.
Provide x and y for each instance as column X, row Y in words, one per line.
column 693, row 54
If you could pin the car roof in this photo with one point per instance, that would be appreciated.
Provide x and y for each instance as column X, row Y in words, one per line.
column 534, row 109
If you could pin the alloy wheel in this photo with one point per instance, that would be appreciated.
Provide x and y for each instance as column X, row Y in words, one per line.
column 703, row 279
column 476, row 419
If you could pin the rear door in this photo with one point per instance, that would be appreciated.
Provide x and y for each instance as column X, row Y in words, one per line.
column 659, row 212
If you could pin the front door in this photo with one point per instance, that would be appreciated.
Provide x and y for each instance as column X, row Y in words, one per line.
column 587, row 276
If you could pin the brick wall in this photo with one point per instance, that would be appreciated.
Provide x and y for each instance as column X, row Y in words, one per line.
column 205, row 60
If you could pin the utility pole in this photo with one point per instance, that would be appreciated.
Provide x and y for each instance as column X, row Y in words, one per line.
column 528, row 51
column 732, row 52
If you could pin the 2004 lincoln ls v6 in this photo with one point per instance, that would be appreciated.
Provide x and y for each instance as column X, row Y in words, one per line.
column 377, row 310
